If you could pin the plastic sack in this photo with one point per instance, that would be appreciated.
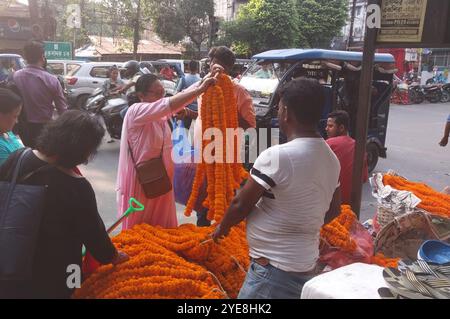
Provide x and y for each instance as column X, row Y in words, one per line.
column 335, row 257
column 184, row 167
column 182, row 185
column 182, row 151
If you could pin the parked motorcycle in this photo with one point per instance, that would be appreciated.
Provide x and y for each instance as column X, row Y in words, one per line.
column 418, row 93
column 109, row 108
column 445, row 93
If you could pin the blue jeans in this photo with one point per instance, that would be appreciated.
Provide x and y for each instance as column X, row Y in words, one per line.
column 268, row 282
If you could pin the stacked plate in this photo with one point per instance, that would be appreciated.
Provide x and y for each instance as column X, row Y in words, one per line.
column 426, row 278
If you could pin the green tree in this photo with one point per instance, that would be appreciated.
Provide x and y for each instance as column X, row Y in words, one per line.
column 321, row 20
column 263, row 25
column 273, row 24
column 174, row 20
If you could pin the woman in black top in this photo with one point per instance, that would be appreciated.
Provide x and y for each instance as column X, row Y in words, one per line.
column 70, row 218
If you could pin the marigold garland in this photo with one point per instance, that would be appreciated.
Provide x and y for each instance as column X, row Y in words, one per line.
column 432, row 201
column 219, row 110
column 178, row 263
column 337, row 234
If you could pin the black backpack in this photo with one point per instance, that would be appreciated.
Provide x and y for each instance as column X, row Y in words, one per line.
column 21, row 209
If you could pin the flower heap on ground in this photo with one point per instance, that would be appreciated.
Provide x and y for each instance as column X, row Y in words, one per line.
column 337, row 233
column 225, row 174
column 179, row 263
column 432, row 201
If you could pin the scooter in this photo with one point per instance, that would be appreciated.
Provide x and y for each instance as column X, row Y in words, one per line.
column 109, row 108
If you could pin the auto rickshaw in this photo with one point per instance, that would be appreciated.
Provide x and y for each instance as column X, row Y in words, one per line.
column 339, row 72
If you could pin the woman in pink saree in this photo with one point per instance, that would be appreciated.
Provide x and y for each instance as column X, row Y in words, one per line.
column 146, row 130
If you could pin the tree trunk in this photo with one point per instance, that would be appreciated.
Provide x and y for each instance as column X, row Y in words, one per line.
column 33, row 7
column 136, row 30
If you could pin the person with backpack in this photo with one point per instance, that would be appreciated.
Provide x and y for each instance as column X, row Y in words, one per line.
column 69, row 215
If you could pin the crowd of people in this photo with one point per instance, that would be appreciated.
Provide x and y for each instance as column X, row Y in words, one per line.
column 284, row 205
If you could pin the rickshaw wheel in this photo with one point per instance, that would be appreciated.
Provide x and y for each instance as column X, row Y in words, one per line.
column 373, row 154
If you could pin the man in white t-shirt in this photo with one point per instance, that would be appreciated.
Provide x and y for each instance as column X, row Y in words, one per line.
column 292, row 191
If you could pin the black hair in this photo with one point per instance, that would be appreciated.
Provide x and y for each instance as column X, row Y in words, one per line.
column 144, row 82
column 73, row 138
column 33, row 51
column 9, row 101
column 193, row 66
column 111, row 69
column 224, row 56
column 305, row 97
column 340, row 117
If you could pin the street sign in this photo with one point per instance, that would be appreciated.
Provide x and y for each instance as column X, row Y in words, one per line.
column 74, row 16
column 58, row 50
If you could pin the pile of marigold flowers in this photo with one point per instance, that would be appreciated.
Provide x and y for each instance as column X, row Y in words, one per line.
column 337, row 234
column 432, row 201
column 225, row 174
column 179, row 263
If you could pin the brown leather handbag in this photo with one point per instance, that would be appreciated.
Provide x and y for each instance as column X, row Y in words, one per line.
column 152, row 175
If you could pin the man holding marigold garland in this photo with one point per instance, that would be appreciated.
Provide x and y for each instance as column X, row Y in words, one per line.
column 293, row 189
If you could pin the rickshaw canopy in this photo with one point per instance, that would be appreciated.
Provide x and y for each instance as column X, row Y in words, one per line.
column 320, row 54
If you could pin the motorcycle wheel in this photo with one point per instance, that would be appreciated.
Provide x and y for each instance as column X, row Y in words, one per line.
column 436, row 98
column 417, row 98
column 445, row 97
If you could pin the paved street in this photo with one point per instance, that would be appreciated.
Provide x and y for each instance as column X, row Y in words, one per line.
column 413, row 151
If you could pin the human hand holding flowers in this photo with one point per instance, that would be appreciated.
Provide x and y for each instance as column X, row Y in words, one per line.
column 120, row 258
column 220, row 233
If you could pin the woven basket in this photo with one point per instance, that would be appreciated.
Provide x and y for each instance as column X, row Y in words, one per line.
column 384, row 216
column 405, row 234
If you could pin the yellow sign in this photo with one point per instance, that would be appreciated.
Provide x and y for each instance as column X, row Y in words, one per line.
column 402, row 20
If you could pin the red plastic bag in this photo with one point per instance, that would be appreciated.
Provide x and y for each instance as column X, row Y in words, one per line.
column 90, row 264
column 336, row 257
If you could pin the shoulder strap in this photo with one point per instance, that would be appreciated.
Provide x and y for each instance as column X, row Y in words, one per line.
column 18, row 165
column 131, row 152
column 160, row 154
column 40, row 169
column 15, row 175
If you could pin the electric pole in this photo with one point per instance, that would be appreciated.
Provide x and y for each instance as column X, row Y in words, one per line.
column 136, row 30
column 352, row 23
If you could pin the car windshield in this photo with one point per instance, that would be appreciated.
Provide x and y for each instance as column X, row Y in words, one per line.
column 262, row 79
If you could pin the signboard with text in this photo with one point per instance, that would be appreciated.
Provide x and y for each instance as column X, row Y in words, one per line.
column 15, row 28
column 58, row 50
column 413, row 24
column 402, row 20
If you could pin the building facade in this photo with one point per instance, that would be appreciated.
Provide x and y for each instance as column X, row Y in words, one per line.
column 227, row 9
column 357, row 37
